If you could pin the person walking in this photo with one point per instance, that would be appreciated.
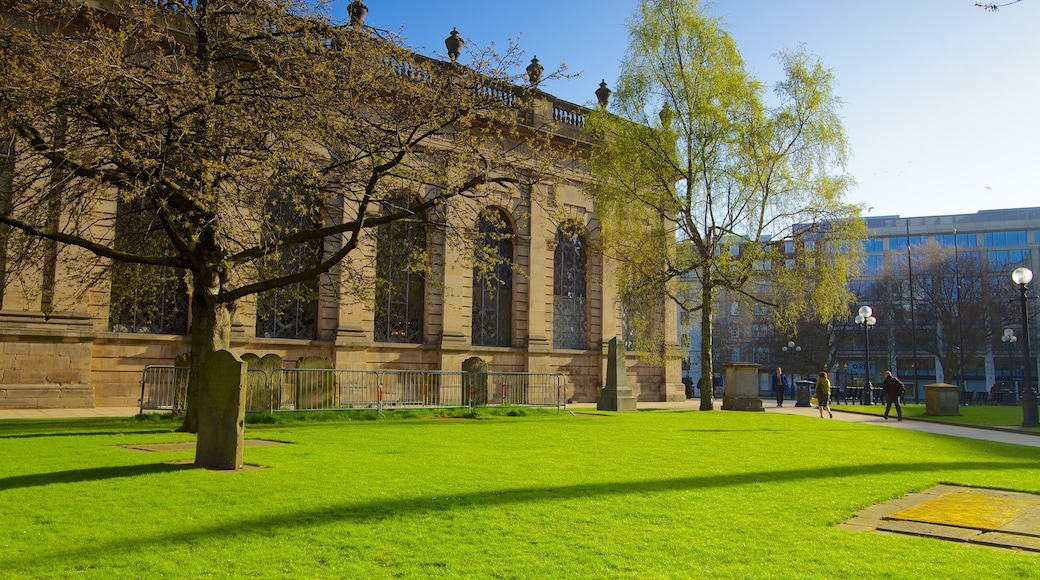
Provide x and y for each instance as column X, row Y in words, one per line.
column 823, row 394
column 779, row 384
column 894, row 389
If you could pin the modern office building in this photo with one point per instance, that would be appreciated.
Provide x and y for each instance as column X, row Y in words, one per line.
column 960, row 266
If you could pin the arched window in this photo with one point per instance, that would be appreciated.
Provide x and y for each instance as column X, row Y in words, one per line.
column 493, row 281
column 143, row 298
column 569, row 288
column 400, row 287
column 290, row 311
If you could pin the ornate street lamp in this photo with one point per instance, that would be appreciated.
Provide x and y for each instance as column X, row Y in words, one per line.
column 792, row 348
column 1022, row 277
column 1009, row 339
column 866, row 321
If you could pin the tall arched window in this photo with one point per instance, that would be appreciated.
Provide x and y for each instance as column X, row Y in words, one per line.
column 400, row 286
column 290, row 311
column 144, row 298
column 493, row 281
column 569, row 288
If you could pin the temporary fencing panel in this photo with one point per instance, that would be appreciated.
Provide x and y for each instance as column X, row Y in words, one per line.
column 165, row 388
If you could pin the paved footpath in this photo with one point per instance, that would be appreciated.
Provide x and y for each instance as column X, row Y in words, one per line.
column 1003, row 435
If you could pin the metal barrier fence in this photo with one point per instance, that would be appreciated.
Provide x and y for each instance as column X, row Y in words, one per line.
column 165, row 388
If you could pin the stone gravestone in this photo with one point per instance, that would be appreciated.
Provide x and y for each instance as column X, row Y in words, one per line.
column 474, row 392
column 222, row 418
column 262, row 393
column 741, row 388
column 616, row 395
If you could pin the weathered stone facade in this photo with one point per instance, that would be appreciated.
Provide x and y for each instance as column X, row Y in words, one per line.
column 72, row 358
column 61, row 348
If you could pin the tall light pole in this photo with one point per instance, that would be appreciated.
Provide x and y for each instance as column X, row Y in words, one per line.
column 866, row 321
column 792, row 348
column 1022, row 277
column 1009, row 339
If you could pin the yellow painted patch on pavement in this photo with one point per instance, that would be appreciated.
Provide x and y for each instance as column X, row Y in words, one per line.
column 968, row 508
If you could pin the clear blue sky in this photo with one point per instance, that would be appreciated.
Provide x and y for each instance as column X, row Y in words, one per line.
column 942, row 99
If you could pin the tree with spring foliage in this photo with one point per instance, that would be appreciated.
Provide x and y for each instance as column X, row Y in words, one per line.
column 169, row 138
column 700, row 181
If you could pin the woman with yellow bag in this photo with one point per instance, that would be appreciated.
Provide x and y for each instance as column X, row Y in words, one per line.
column 823, row 394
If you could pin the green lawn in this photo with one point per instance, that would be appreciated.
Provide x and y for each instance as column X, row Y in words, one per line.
column 987, row 415
column 653, row 494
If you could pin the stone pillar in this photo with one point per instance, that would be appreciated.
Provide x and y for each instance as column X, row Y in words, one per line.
column 616, row 395
column 672, row 388
column 741, row 387
column 456, row 307
column 540, row 285
column 222, row 413
column 941, row 399
column 355, row 326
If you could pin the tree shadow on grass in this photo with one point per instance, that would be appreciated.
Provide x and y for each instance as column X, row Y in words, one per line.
column 374, row 511
column 91, row 474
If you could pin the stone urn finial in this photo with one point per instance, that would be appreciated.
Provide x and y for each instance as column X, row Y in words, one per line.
column 603, row 94
column 454, row 44
column 357, row 12
column 666, row 116
column 534, row 72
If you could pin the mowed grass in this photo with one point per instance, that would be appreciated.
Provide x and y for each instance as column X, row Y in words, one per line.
column 654, row 494
column 985, row 415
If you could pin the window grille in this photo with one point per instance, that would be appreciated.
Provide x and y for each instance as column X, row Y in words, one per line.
column 569, row 289
column 493, row 281
column 400, row 287
column 144, row 298
column 291, row 311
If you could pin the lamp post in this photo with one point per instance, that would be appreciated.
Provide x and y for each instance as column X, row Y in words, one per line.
column 866, row 321
column 1022, row 277
column 1009, row 339
column 792, row 348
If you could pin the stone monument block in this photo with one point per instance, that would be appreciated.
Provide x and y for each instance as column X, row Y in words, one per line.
column 616, row 395
column 741, row 388
column 942, row 399
column 222, row 412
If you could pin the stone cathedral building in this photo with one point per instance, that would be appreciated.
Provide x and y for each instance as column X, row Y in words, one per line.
column 555, row 310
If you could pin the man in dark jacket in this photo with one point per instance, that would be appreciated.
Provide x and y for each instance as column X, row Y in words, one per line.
column 779, row 384
column 893, row 388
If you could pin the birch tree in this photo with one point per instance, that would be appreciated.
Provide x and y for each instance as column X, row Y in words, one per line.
column 701, row 176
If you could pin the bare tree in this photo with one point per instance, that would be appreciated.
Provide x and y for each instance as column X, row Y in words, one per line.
column 169, row 139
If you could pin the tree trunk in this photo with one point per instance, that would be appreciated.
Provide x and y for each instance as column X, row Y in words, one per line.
column 707, row 370
column 216, row 383
column 210, row 331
